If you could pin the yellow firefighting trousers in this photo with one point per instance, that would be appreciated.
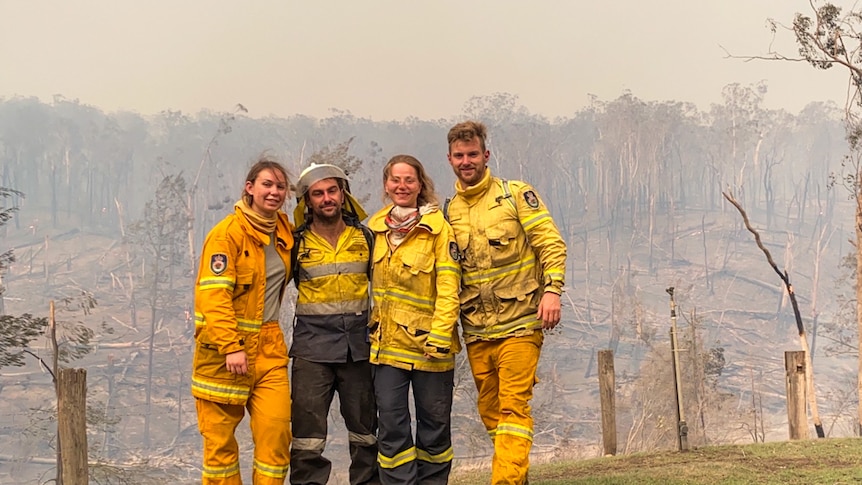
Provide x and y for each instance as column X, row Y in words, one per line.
column 269, row 414
column 505, row 371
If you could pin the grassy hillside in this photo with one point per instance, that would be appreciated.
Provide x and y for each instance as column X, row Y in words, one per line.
column 832, row 461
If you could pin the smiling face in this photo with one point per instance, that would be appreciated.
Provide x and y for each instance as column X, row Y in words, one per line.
column 402, row 185
column 468, row 160
column 267, row 191
column 325, row 198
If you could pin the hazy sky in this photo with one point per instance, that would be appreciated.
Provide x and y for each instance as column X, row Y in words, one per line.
column 390, row 59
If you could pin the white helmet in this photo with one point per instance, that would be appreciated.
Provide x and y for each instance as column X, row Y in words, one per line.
column 315, row 173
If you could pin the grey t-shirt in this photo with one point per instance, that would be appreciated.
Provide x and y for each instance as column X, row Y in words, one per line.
column 275, row 275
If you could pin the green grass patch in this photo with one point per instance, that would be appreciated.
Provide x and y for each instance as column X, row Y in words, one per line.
column 816, row 461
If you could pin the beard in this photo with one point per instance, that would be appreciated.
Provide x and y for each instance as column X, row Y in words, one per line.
column 325, row 217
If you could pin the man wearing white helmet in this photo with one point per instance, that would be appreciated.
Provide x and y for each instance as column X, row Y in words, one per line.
column 330, row 347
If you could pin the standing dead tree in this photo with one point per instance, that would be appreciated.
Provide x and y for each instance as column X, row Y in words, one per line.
column 803, row 339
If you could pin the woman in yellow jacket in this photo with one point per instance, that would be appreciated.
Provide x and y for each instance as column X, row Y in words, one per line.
column 415, row 283
column 240, row 359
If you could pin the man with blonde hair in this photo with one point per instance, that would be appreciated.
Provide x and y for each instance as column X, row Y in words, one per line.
column 513, row 262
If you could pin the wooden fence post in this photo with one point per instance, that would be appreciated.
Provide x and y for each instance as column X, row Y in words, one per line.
column 797, row 418
column 72, row 425
column 607, row 387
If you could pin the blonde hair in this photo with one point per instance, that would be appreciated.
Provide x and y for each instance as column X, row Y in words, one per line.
column 426, row 191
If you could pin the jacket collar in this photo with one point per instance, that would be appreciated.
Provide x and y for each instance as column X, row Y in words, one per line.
column 283, row 230
column 432, row 221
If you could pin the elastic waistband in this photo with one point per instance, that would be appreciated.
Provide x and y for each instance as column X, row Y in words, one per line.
column 273, row 323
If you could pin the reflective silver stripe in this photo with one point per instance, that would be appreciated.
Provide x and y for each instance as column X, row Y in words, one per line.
column 362, row 439
column 308, row 444
column 332, row 308
column 332, row 269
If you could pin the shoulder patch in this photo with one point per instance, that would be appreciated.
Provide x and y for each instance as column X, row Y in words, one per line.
column 453, row 251
column 531, row 199
column 218, row 263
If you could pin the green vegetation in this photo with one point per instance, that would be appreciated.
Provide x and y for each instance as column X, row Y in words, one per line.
column 833, row 461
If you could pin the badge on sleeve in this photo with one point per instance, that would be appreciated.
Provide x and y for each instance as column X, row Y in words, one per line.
column 218, row 263
column 531, row 199
column 453, row 251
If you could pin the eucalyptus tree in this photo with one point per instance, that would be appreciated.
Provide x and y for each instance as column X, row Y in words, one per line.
column 828, row 36
column 16, row 332
column 158, row 240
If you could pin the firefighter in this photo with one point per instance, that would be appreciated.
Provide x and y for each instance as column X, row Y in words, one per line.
column 513, row 262
column 413, row 327
column 240, row 358
column 330, row 344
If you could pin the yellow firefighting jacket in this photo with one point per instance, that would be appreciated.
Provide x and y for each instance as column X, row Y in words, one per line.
column 415, row 289
column 332, row 298
column 229, row 299
column 511, row 253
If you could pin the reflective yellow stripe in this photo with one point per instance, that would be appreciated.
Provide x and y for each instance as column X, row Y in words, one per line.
column 245, row 324
column 411, row 299
column 444, row 457
column 445, row 267
column 405, row 456
column 555, row 275
column 529, row 322
column 272, row 471
column 332, row 308
column 220, row 471
column 534, row 221
column 491, row 274
column 249, row 325
column 513, row 429
column 216, row 283
column 226, row 391
column 439, row 337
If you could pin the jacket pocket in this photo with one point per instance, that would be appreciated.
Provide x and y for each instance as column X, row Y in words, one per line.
column 503, row 242
column 210, row 365
column 420, row 261
column 523, row 292
column 374, row 325
column 419, row 323
column 306, row 259
column 242, row 291
column 410, row 329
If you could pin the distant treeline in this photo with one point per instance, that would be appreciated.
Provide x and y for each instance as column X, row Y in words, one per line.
column 626, row 160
